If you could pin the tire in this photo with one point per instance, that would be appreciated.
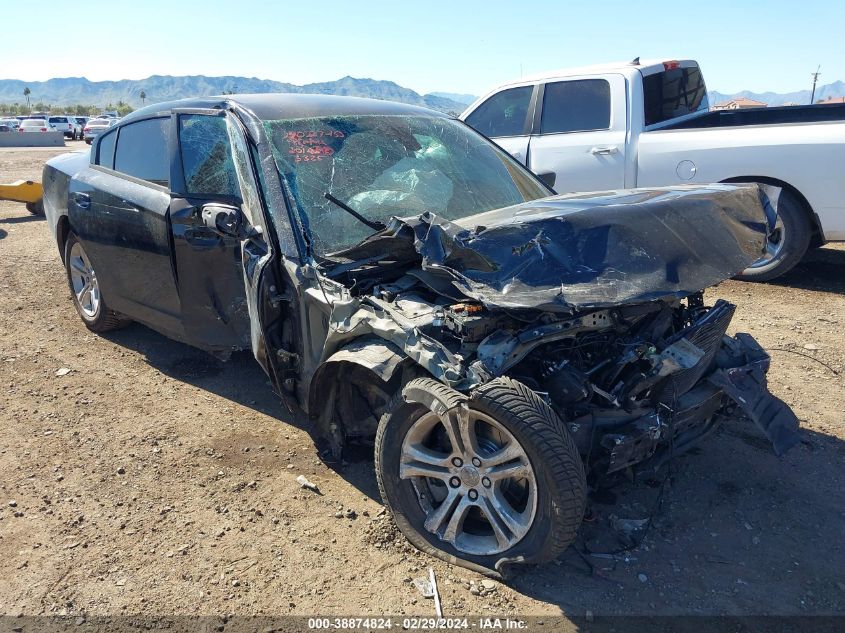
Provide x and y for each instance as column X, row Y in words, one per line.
column 36, row 208
column 555, row 467
column 88, row 141
column 96, row 316
column 795, row 231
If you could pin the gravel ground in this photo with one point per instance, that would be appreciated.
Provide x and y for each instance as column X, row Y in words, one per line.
column 151, row 478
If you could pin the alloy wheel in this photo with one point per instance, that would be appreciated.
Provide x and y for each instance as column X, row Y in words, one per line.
column 472, row 479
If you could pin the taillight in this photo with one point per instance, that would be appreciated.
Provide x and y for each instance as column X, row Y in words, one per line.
column 43, row 129
column 671, row 65
column 20, row 129
column 87, row 129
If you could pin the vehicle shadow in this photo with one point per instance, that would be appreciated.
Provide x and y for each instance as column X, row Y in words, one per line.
column 21, row 218
column 821, row 269
column 733, row 526
column 240, row 380
column 735, row 531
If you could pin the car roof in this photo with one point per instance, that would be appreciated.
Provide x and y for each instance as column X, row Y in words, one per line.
column 268, row 107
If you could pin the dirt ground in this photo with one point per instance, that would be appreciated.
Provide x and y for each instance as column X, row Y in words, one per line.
column 153, row 479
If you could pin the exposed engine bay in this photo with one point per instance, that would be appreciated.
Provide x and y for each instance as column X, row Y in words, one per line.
column 623, row 348
column 632, row 383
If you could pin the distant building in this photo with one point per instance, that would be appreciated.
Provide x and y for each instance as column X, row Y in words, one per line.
column 739, row 103
column 832, row 100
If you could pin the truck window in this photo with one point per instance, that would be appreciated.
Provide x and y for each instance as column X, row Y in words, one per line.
column 207, row 156
column 142, row 151
column 503, row 114
column 105, row 151
column 673, row 93
column 579, row 105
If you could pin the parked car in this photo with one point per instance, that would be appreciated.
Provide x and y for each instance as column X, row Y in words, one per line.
column 83, row 121
column 647, row 124
column 406, row 281
column 11, row 125
column 36, row 125
column 94, row 127
column 67, row 125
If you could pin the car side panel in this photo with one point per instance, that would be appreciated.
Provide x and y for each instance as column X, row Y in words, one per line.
column 126, row 233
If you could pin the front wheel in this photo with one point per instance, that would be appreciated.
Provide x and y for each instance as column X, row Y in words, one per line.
column 786, row 244
column 480, row 481
column 85, row 290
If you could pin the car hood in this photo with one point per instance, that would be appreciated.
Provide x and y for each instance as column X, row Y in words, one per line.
column 584, row 250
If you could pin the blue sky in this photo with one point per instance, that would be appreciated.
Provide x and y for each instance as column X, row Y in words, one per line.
column 455, row 46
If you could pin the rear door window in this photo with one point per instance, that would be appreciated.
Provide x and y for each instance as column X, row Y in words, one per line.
column 503, row 114
column 142, row 150
column 673, row 93
column 207, row 156
column 579, row 105
column 105, row 151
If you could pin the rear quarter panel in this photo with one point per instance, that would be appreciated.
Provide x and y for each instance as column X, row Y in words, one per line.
column 810, row 157
column 55, row 179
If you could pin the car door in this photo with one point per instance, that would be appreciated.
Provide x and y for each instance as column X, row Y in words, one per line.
column 579, row 133
column 212, row 172
column 120, row 209
column 506, row 117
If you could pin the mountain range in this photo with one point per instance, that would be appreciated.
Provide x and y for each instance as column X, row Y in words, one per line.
column 801, row 97
column 79, row 90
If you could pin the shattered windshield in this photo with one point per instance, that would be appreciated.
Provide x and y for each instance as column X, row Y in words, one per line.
column 381, row 166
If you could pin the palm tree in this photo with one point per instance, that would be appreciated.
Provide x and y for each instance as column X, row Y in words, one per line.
column 26, row 93
column 143, row 97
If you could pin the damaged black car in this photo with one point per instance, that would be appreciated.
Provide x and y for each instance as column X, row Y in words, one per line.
column 409, row 284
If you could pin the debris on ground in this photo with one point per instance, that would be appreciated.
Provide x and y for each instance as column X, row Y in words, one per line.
column 302, row 480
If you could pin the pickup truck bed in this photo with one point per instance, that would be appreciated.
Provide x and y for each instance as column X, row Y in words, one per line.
column 763, row 116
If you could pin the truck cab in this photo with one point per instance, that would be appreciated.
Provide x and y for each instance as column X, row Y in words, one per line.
column 647, row 124
column 575, row 129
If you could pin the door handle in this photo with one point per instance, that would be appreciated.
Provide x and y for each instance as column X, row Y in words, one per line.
column 82, row 200
column 608, row 149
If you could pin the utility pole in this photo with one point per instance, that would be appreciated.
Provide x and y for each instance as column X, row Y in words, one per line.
column 815, row 79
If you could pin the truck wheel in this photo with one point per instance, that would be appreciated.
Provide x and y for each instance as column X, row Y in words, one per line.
column 480, row 481
column 85, row 290
column 787, row 244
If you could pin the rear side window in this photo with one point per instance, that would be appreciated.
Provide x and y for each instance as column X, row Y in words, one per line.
column 503, row 114
column 673, row 93
column 207, row 156
column 58, row 119
column 579, row 105
column 142, row 151
column 105, row 151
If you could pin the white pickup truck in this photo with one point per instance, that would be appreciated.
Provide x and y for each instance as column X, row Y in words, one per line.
column 647, row 124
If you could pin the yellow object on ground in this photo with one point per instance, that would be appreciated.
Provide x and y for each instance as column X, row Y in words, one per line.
column 22, row 191
column 27, row 191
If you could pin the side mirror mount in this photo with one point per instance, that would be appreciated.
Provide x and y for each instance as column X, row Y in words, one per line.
column 223, row 218
column 548, row 178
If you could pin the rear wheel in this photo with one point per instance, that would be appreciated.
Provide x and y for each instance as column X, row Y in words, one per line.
column 85, row 290
column 786, row 244
column 480, row 481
